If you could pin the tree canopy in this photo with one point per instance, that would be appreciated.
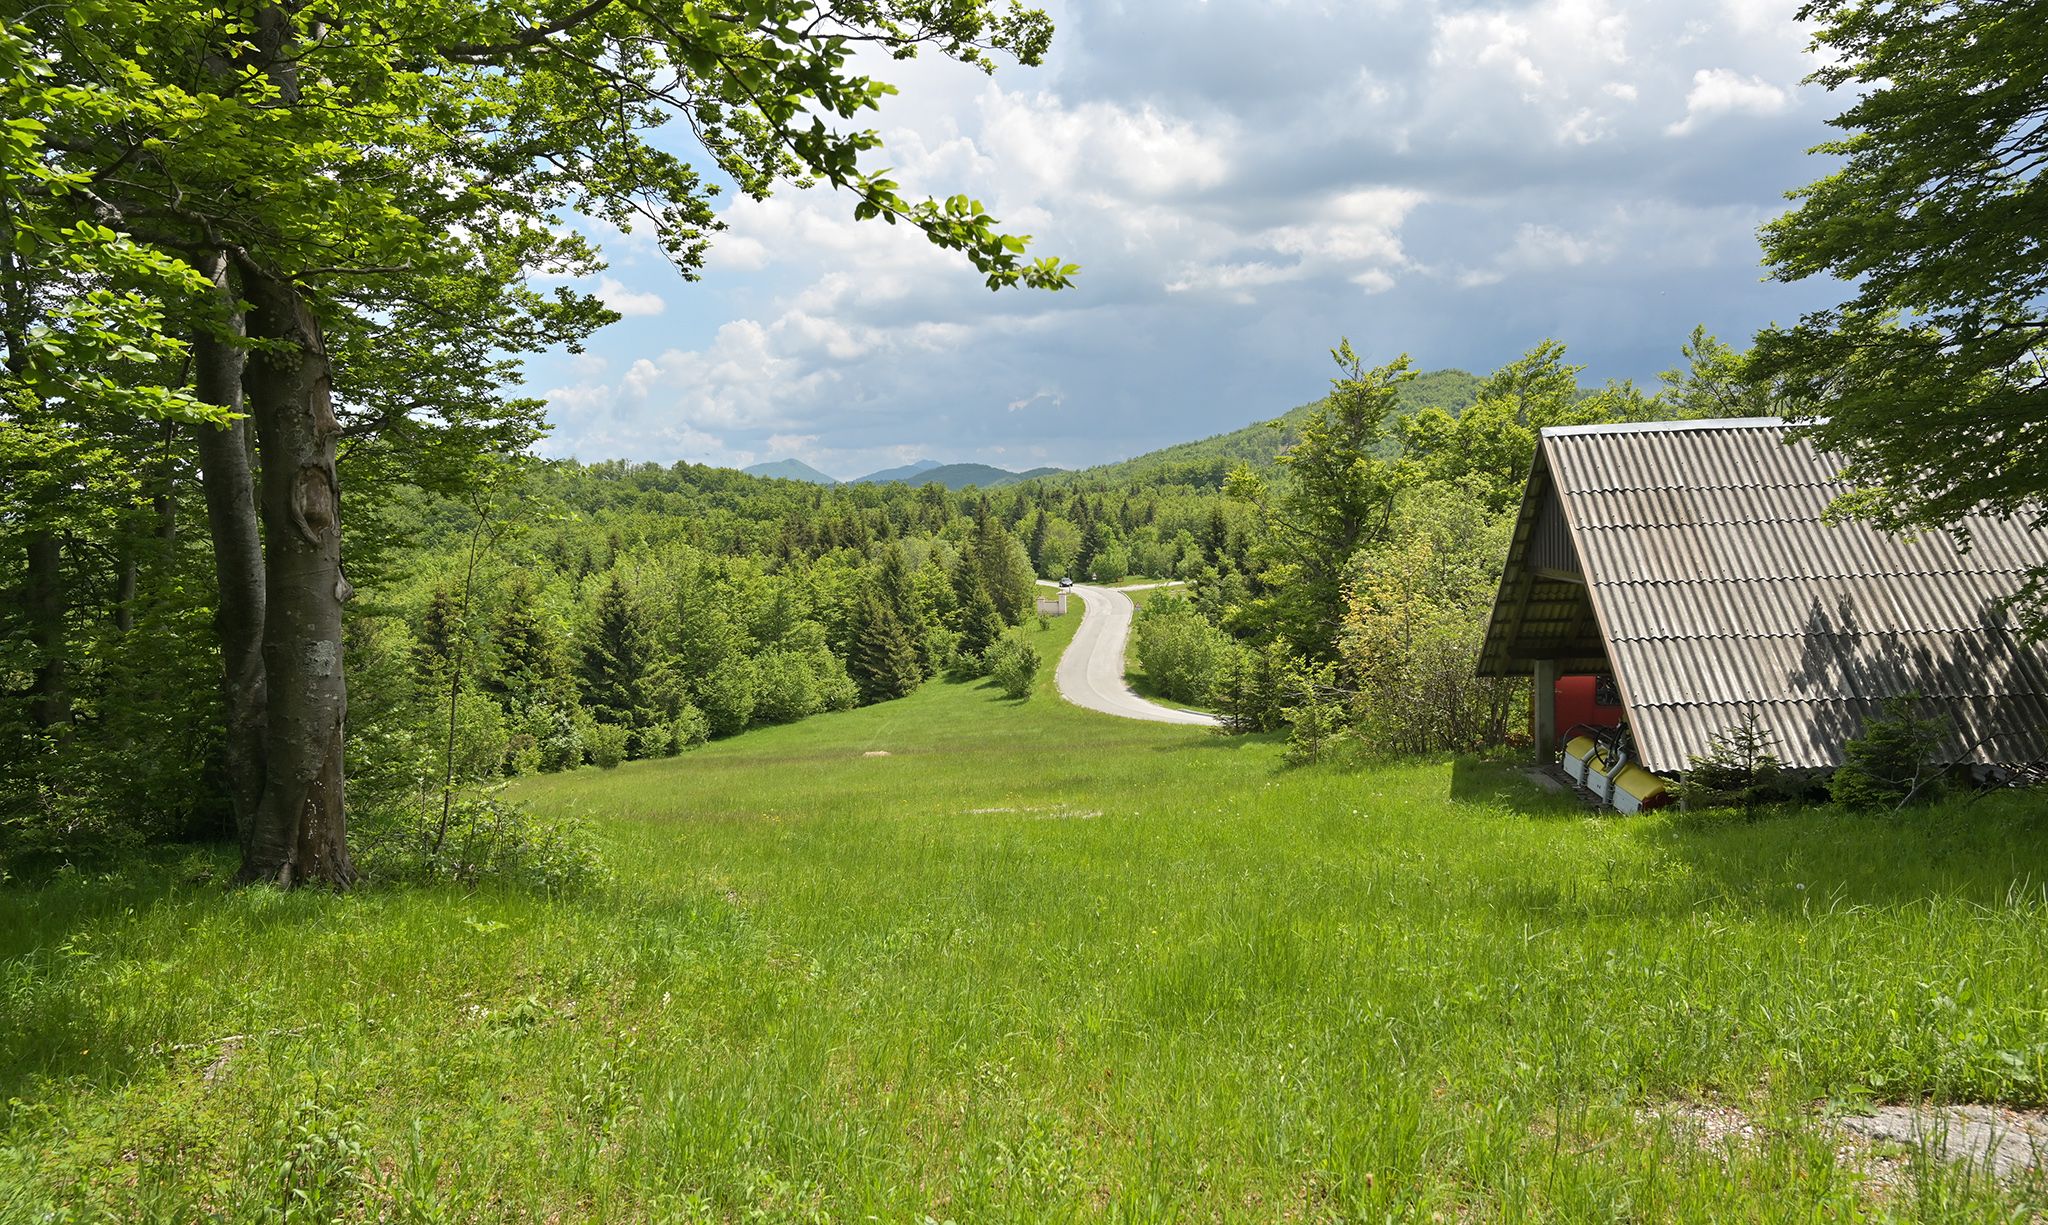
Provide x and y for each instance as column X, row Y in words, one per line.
column 1932, row 378
column 316, row 222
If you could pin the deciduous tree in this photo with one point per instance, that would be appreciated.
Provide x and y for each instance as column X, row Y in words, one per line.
column 1932, row 378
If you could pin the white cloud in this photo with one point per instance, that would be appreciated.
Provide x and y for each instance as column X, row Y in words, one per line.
column 1102, row 146
column 1722, row 91
column 628, row 302
column 1381, row 176
column 1233, row 279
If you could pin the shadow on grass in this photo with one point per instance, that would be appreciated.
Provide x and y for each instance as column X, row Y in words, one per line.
column 1510, row 785
column 1805, row 859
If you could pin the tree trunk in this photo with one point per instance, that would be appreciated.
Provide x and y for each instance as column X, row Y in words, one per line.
column 226, row 474
column 300, row 833
column 43, row 600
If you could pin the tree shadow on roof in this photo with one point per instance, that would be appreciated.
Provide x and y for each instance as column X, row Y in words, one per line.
column 1986, row 684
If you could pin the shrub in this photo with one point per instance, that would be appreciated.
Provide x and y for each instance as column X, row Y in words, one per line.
column 1892, row 761
column 557, row 739
column 836, row 690
column 1110, row 565
column 522, row 754
column 1414, row 619
column 728, row 695
column 784, row 688
column 485, row 839
column 1013, row 663
column 1183, row 655
column 1249, row 691
column 1740, row 769
column 1316, row 717
column 688, row 729
column 606, row 743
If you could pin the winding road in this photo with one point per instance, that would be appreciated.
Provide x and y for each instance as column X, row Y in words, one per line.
column 1091, row 673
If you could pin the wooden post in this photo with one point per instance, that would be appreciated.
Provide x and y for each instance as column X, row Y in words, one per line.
column 1543, row 709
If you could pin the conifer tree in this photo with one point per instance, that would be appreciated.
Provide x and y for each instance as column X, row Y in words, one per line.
column 528, row 661
column 884, row 663
column 436, row 643
column 615, row 659
column 981, row 626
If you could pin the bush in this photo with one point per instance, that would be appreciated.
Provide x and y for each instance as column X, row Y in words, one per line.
column 1414, row 619
column 1316, row 717
column 784, row 688
column 1110, row 565
column 558, row 742
column 1740, row 769
column 1892, row 761
column 1249, row 693
column 1013, row 663
column 485, row 839
column 606, row 743
column 728, row 695
column 688, row 729
column 1183, row 655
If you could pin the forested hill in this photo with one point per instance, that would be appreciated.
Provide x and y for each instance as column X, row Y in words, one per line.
column 1260, row 444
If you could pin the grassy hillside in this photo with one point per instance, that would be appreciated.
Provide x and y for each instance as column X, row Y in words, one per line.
column 1258, row 444
column 1036, row 963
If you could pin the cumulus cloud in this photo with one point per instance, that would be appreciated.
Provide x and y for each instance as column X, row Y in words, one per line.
column 629, row 302
column 1241, row 184
column 1723, row 91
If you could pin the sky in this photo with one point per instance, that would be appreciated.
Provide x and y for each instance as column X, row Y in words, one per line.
column 1243, row 184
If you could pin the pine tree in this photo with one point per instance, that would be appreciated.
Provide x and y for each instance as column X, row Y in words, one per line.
column 884, row 662
column 981, row 626
column 615, row 659
column 1740, row 769
column 436, row 645
column 528, row 662
column 996, row 564
column 1041, row 527
column 1216, row 541
column 1094, row 543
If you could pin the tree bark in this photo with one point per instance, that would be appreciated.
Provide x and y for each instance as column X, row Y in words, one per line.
column 229, row 481
column 300, row 834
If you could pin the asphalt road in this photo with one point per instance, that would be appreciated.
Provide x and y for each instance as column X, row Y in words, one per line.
column 1091, row 673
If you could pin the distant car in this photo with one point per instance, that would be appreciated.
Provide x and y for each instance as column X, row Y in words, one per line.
column 1066, row 583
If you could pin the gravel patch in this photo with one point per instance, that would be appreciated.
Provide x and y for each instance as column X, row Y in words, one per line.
column 2007, row 1142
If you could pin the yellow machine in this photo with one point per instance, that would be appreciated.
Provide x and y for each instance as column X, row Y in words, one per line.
column 1602, row 762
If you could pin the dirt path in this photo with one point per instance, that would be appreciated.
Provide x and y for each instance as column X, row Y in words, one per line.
column 1091, row 673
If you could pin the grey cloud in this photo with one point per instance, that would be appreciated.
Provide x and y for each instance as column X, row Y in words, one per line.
column 1198, row 160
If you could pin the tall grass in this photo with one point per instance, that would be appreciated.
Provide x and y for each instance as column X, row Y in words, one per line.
column 1038, row 964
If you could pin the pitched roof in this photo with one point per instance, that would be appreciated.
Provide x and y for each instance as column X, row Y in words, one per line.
column 1695, row 558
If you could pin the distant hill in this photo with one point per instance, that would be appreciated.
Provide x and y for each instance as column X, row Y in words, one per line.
column 960, row 476
column 953, row 476
column 1259, row 445
column 790, row 470
column 905, row 474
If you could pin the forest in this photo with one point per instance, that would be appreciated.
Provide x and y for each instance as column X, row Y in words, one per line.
column 528, row 617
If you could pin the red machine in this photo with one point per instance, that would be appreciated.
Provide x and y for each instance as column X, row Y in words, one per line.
column 1586, row 701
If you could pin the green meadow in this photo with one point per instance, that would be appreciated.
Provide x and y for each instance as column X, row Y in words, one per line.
column 1039, row 964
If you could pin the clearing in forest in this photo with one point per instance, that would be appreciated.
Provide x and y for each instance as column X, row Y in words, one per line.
column 1042, row 963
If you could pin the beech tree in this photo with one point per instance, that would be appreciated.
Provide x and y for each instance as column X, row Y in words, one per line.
column 1932, row 378
column 337, row 207
column 1338, row 498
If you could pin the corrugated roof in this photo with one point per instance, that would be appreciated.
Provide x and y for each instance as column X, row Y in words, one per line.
column 1715, row 583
